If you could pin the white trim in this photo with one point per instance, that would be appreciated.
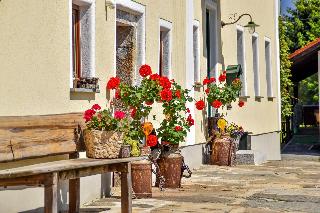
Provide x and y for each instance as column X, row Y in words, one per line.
column 256, row 67
column 168, row 26
column 191, row 137
column 268, row 63
column 244, row 65
column 196, row 71
column 92, row 9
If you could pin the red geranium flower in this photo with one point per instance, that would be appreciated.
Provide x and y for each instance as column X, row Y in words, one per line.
column 178, row 128
column 178, row 94
column 119, row 115
column 241, row 103
column 165, row 82
column 117, row 94
column 96, row 107
column 166, row 95
column 212, row 79
column 216, row 104
column 206, row 81
column 152, row 140
column 133, row 112
column 88, row 114
column 113, row 83
column 149, row 103
column 154, row 77
column 190, row 120
column 200, row 105
column 224, row 72
column 222, row 77
column 207, row 90
column 145, row 70
column 188, row 110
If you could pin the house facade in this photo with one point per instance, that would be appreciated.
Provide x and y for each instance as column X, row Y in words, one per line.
column 45, row 45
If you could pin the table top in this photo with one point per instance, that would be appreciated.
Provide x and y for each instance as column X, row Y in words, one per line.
column 62, row 165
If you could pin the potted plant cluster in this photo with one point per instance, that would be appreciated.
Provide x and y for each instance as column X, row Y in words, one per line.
column 220, row 94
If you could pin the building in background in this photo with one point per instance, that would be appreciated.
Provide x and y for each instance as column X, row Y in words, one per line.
column 47, row 44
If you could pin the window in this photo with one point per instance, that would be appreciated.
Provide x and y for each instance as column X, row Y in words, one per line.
column 196, row 52
column 165, row 48
column 255, row 63
column 76, row 57
column 82, row 39
column 267, row 49
column 241, row 58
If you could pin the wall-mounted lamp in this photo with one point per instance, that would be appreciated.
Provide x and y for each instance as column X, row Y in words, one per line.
column 251, row 25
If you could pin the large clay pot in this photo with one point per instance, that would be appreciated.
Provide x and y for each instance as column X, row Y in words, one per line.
column 142, row 178
column 223, row 151
column 170, row 168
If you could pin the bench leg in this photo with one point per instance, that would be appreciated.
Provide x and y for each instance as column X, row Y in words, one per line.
column 74, row 195
column 51, row 194
column 126, row 190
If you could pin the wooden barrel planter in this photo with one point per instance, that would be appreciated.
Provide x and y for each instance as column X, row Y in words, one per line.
column 223, row 151
column 170, row 168
column 142, row 178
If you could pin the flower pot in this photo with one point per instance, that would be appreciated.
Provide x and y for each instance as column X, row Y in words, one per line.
column 142, row 178
column 102, row 144
column 223, row 151
column 144, row 150
column 170, row 165
column 125, row 151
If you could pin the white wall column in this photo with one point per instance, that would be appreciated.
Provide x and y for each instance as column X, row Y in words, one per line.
column 190, row 66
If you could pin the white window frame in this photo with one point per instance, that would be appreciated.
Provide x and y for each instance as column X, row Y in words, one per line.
column 244, row 91
column 92, row 5
column 139, row 9
column 256, row 64
column 196, row 50
column 214, row 43
column 165, row 25
column 268, row 66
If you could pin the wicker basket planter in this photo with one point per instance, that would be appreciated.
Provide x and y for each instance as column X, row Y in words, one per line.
column 103, row 144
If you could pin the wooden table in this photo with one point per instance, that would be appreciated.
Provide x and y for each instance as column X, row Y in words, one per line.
column 49, row 174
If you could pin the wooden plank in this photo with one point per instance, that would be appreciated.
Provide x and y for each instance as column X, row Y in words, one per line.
column 51, row 194
column 27, row 181
column 126, row 191
column 35, row 136
column 62, row 165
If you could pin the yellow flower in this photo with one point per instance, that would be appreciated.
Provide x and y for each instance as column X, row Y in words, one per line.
column 222, row 123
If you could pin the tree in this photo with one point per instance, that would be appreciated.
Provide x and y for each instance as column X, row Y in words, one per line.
column 302, row 25
column 285, row 72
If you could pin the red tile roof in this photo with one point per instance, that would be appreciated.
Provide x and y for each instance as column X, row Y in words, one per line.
column 305, row 48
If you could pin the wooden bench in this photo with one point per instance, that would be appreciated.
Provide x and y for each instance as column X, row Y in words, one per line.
column 37, row 136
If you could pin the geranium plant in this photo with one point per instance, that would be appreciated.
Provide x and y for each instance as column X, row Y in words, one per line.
column 173, row 129
column 104, row 120
column 219, row 93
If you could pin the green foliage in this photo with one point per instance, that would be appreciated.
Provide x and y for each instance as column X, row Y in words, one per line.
column 302, row 25
column 308, row 89
column 285, row 72
column 175, row 113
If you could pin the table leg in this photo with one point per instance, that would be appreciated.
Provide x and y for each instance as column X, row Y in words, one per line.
column 51, row 194
column 74, row 195
column 126, row 190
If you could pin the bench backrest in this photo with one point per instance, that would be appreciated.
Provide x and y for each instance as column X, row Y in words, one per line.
column 37, row 136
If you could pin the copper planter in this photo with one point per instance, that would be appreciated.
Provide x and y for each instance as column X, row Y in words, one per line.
column 142, row 178
column 223, row 151
column 170, row 168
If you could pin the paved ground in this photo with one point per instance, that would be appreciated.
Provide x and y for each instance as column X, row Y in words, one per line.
column 290, row 185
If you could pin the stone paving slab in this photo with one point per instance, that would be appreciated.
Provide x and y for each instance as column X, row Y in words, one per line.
column 290, row 185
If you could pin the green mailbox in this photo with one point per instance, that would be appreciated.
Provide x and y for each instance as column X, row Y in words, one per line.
column 233, row 72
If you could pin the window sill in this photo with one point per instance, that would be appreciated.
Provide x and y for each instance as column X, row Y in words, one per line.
column 84, row 90
column 258, row 96
column 244, row 96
